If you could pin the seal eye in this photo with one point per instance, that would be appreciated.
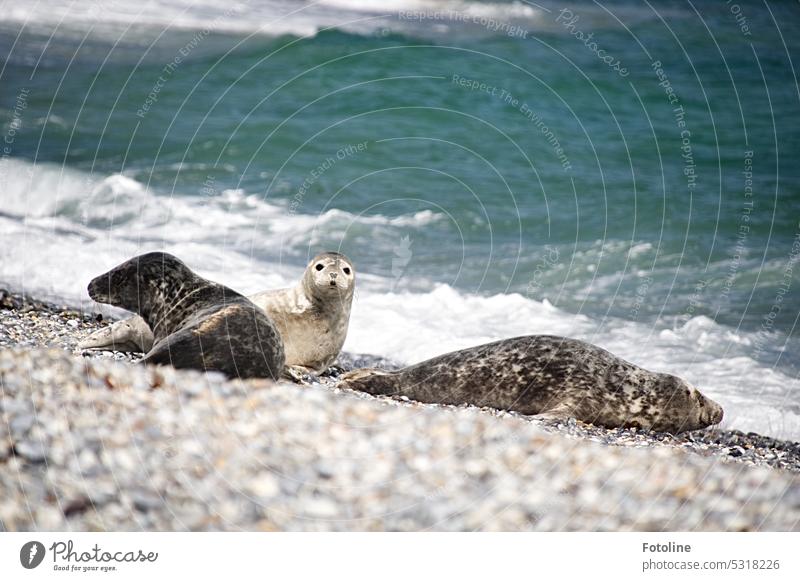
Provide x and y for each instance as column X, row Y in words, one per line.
column 320, row 267
column 346, row 270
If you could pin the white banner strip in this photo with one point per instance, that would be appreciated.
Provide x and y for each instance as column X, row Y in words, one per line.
column 381, row 556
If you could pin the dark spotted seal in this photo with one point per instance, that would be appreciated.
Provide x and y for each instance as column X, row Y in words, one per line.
column 550, row 376
column 312, row 317
column 196, row 323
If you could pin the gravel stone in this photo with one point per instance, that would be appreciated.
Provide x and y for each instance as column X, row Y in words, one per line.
column 32, row 451
column 21, row 424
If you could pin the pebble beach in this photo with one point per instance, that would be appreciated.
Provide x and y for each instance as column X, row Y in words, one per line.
column 95, row 441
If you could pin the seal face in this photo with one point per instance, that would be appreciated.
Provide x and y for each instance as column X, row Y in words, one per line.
column 195, row 323
column 551, row 376
column 312, row 316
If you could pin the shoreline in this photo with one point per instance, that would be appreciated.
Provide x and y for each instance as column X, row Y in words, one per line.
column 458, row 465
column 730, row 444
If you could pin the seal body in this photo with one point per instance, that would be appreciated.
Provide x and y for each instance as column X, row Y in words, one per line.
column 195, row 323
column 551, row 376
column 312, row 317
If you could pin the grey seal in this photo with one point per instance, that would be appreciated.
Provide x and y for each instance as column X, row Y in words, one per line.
column 195, row 323
column 550, row 376
column 312, row 317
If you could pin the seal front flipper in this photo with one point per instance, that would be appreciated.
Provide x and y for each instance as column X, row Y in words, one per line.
column 130, row 335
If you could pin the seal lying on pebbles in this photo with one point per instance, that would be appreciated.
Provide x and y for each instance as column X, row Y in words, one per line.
column 195, row 323
column 551, row 376
column 312, row 317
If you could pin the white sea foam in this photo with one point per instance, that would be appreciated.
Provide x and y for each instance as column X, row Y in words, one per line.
column 60, row 227
column 267, row 17
column 56, row 210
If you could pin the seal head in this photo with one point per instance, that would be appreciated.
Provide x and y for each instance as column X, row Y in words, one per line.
column 144, row 283
column 330, row 278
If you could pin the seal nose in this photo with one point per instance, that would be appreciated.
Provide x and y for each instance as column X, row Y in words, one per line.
column 714, row 415
column 96, row 286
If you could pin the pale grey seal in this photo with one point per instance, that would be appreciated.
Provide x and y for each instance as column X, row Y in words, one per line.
column 551, row 376
column 312, row 317
column 195, row 323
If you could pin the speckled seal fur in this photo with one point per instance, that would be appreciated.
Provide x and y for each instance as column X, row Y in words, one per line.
column 552, row 376
column 312, row 317
column 196, row 323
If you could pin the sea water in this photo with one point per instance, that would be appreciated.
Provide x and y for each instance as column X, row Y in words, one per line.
column 621, row 172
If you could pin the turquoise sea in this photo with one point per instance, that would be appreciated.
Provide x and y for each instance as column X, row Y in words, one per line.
column 624, row 172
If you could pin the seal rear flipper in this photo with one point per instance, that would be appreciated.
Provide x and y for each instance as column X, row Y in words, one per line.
column 130, row 335
column 372, row 381
column 232, row 354
column 182, row 350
